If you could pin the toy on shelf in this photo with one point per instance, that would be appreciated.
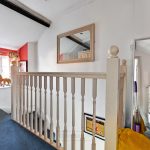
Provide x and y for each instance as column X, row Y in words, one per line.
column 4, row 81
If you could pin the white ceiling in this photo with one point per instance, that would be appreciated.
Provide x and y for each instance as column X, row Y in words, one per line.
column 15, row 29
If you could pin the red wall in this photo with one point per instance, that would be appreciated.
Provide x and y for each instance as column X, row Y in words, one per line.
column 5, row 52
column 23, row 52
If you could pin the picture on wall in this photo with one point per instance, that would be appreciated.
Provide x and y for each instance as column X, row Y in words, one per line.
column 100, row 123
column 23, row 66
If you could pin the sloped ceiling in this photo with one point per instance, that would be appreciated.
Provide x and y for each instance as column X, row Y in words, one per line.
column 55, row 8
column 16, row 29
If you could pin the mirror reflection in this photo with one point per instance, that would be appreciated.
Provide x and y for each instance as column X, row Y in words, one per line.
column 72, row 47
column 142, row 79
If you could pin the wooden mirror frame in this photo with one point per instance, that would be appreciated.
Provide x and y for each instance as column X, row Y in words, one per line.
column 91, row 29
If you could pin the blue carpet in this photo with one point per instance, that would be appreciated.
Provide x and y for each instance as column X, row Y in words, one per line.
column 14, row 137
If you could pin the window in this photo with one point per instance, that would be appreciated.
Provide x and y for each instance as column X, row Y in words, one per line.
column 4, row 66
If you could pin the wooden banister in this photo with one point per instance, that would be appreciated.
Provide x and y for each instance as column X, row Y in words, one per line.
column 34, row 95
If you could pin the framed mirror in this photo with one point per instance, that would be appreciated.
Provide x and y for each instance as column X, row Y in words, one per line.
column 76, row 45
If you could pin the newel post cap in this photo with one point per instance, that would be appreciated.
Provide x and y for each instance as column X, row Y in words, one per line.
column 113, row 51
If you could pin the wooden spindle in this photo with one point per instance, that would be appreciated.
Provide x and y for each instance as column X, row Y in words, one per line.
column 51, row 109
column 94, row 112
column 35, row 87
column 19, row 118
column 40, row 95
column 65, row 112
column 31, row 87
column 73, row 112
column 17, row 102
column 57, row 127
column 24, row 103
column 27, row 88
column 20, row 97
column 45, row 107
column 82, row 113
column 16, row 97
column 124, row 70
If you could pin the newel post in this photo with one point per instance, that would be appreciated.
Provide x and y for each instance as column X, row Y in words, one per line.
column 112, row 99
column 14, row 71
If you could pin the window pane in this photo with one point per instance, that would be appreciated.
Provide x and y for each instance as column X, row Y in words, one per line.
column 4, row 67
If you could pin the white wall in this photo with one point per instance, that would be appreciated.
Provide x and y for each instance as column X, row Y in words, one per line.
column 141, row 18
column 113, row 19
column 109, row 24
column 5, row 99
column 141, row 21
column 32, row 56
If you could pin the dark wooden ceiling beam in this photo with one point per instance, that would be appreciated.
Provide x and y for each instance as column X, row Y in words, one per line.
column 78, row 42
column 26, row 12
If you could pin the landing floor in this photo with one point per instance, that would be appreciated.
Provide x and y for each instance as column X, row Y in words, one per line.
column 14, row 137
